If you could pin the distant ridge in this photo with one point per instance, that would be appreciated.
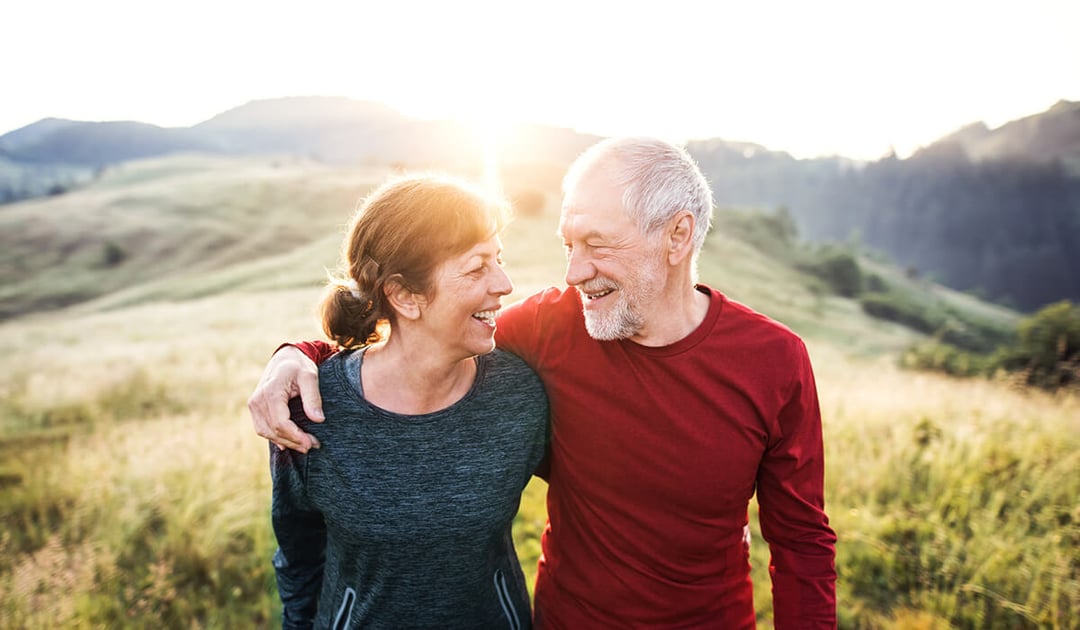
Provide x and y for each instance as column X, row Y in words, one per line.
column 300, row 110
column 33, row 133
column 97, row 144
column 343, row 130
column 1044, row 137
column 992, row 211
column 326, row 128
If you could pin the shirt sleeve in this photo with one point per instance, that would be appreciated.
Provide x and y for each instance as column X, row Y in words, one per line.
column 317, row 351
column 513, row 333
column 301, row 536
column 791, row 481
column 518, row 329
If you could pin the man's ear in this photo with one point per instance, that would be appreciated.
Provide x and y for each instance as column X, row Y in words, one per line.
column 404, row 302
column 679, row 237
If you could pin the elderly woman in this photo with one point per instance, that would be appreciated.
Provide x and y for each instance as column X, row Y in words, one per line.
column 402, row 517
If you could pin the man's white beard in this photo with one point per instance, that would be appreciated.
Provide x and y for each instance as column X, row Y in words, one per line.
column 619, row 322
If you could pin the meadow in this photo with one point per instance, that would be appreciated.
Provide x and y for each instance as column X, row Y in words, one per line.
column 134, row 493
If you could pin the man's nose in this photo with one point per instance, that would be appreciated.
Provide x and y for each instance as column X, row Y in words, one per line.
column 579, row 268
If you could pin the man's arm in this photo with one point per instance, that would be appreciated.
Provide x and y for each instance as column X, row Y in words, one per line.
column 291, row 372
column 791, row 495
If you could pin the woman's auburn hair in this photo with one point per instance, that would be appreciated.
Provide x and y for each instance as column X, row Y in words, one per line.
column 402, row 231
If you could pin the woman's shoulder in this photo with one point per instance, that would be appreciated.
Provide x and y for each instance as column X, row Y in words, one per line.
column 506, row 361
column 509, row 385
column 337, row 373
column 506, row 370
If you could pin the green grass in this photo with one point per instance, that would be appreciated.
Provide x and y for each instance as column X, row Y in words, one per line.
column 955, row 499
column 148, row 505
column 172, row 221
column 133, row 492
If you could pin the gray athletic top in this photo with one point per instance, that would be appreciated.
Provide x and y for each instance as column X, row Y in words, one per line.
column 404, row 521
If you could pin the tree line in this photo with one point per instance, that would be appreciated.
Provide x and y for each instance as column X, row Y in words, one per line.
column 1007, row 229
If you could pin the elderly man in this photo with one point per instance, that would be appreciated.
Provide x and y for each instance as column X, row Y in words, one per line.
column 670, row 406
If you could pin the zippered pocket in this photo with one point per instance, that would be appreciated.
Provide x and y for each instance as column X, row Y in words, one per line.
column 506, row 601
column 344, row 613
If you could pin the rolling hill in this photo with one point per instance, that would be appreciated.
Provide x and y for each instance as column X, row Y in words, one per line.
column 193, row 225
column 994, row 212
column 170, row 219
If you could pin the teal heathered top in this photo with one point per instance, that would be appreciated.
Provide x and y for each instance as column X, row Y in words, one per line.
column 404, row 521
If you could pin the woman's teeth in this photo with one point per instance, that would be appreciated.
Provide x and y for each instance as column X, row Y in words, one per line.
column 488, row 317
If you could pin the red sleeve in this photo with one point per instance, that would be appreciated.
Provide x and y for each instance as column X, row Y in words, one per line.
column 317, row 351
column 516, row 325
column 791, row 491
column 516, row 332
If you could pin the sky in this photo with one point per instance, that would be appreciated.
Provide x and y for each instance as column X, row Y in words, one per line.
column 856, row 78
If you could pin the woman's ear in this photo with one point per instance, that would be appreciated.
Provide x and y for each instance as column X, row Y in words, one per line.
column 404, row 302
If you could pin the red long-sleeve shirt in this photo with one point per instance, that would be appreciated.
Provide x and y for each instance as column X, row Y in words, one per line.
column 655, row 454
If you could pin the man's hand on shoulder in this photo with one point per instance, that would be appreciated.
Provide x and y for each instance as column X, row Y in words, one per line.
column 288, row 374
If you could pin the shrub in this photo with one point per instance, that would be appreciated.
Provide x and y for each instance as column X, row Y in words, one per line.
column 874, row 282
column 892, row 307
column 839, row 269
column 942, row 357
column 113, row 254
column 772, row 233
column 1044, row 351
column 1047, row 350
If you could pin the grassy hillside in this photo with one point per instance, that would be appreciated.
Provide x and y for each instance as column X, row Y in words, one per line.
column 134, row 493
column 174, row 222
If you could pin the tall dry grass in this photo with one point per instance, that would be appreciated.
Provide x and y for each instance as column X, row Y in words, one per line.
column 137, row 491
column 142, row 493
column 955, row 500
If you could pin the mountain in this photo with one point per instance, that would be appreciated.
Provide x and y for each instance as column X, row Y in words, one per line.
column 32, row 133
column 337, row 130
column 1044, row 137
column 302, row 111
column 97, row 144
column 992, row 211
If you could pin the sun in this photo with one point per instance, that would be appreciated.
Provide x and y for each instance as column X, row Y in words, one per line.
column 489, row 126
column 485, row 114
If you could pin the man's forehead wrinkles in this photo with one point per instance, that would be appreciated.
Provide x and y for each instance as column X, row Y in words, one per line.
column 575, row 231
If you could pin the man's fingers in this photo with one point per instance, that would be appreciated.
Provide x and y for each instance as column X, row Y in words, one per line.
column 285, row 443
column 286, row 432
column 287, row 435
column 260, row 413
column 308, row 382
column 289, row 373
column 270, row 418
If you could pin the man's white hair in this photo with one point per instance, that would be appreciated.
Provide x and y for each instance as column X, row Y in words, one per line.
column 658, row 179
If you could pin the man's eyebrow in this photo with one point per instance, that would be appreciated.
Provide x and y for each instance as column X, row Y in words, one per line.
column 591, row 235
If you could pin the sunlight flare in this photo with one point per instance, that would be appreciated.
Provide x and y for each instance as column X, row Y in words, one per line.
column 490, row 125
